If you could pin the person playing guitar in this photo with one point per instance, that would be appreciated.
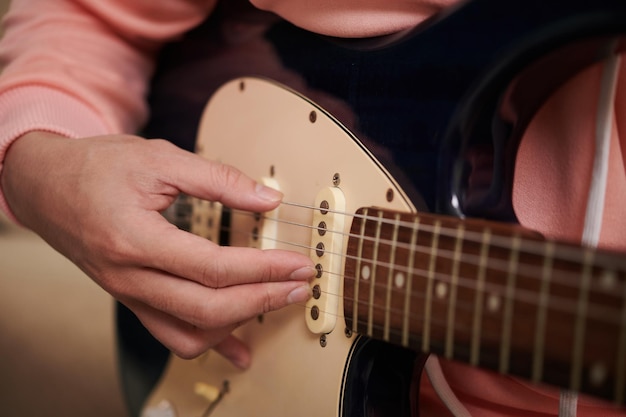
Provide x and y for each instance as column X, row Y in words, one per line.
column 102, row 71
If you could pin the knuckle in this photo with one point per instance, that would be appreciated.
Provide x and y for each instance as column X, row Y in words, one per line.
column 270, row 273
column 160, row 145
column 269, row 302
column 212, row 273
column 120, row 252
column 190, row 347
column 114, row 245
column 216, row 271
column 227, row 175
column 195, row 341
column 117, row 286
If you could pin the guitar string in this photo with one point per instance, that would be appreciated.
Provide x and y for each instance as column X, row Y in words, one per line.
column 465, row 282
column 521, row 295
column 466, row 306
column 533, row 247
column 462, row 333
column 528, row 247
column 562, row 277
column 598, row 310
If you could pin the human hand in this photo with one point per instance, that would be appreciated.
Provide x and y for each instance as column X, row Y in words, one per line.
column 98, row 202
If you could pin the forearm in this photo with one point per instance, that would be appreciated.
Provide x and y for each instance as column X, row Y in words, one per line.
column 80, row 68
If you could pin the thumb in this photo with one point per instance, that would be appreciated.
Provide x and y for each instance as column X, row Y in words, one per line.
column 214, row 181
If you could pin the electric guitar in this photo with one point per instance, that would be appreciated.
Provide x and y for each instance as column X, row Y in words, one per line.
column 490, row 295
column 395, row 282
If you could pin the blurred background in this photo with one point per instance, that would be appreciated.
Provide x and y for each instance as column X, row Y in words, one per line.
column 57, row 334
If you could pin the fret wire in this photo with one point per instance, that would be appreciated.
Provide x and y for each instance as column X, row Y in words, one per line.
column 568, row 281
column 459, row 329
column 599, row 312
column 479, row 299
column 462, row 307
column 505, row 350
column 581, row 321
column 531, row 246
column 521, row 295
column 373, row 281
column 515, row 239
column 409, row 282
column 620, row 386
column 357, row 279
column 565, row 277
column 453, row 292
column 620, row 362
column 540, row 327
column 432, row 265
column 392, row 261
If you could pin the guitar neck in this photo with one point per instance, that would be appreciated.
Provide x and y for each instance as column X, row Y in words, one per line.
column 492, row 296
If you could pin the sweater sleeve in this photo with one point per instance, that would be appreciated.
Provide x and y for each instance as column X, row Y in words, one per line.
column 81, row 67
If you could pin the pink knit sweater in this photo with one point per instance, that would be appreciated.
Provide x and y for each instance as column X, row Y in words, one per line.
column 80, row 68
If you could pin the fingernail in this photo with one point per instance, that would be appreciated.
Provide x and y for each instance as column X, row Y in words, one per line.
column 299, row 295
column 267, row 193
column 303, row 274
column 241, row 363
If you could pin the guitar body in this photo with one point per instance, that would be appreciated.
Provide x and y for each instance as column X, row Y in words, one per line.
column 423, row 107
column 289, row 143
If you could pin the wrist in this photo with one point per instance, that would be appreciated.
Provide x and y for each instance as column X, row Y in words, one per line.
column 24, row 161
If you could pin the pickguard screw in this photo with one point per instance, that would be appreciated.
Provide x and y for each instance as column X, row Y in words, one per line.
column 272, row 171
column 323, row 341
column 348, row 332
column 390, row 195
column 312, row 116
column 336, row 179
column 242, row 86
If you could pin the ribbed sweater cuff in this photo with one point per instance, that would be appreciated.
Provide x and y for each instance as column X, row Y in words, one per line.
column 29, row 108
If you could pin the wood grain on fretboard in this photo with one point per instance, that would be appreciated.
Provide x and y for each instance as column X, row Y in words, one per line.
column 491, row 295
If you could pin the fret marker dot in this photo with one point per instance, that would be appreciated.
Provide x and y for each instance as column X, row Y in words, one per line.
column 493, row 303
column 441, row 290
column 597, row 374
column 365, row 272
column 608, row 280
column 399, row 280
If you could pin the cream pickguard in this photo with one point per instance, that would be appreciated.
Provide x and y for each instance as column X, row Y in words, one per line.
column 282, row 139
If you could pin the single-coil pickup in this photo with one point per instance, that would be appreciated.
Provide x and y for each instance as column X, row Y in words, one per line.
column 206, row 219
column 327, row 239
column 265, row 226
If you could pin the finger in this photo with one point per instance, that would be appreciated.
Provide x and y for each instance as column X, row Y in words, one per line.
column 164, row 247
column 182, row 338
column 235, row 351
column 208, row 308
column 214, row 181
column 187, row 341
